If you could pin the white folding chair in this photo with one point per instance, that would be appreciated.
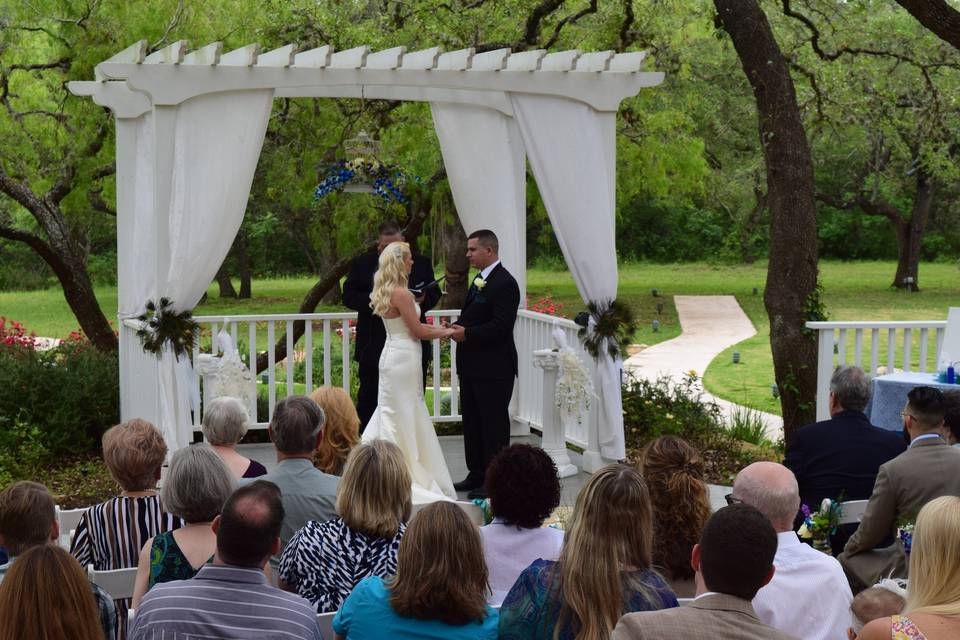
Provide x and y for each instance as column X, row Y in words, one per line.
column 325, row 622
column 851, row 511
column 474, row 512
column 117, row 582
column 684, row 601
column 69, row 520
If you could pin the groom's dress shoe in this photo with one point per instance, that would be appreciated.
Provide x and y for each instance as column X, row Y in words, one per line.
column 480, row 493
column 467, row 484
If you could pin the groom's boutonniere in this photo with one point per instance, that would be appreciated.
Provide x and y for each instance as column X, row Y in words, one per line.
column 479, row 283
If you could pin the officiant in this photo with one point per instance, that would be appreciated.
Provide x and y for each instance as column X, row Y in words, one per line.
column 370, row 332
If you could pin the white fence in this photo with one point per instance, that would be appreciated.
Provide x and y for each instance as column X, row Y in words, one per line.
column 905, row 346
column 324, row 356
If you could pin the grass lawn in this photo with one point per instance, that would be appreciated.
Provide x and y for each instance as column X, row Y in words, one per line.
column 852, row 291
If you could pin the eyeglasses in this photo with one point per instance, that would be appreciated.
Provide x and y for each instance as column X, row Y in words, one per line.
column 731, row 500
column 904, row 414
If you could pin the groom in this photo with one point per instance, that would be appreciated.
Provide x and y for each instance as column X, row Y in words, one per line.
column 486, row 358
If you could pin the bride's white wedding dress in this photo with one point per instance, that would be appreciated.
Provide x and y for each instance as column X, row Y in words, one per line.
column 401, row 416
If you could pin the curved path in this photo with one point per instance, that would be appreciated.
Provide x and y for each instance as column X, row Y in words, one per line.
column 709, row 324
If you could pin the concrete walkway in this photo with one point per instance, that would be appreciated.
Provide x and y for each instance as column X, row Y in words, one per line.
column 709, row 325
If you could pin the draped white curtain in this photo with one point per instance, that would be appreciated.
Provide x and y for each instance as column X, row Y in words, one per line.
column 484, row 158
column 216, row 142
column 572, row 153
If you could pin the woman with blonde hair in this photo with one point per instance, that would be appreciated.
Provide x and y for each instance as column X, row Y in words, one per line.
column 439, row 590
column 933, row 591
column 46, row 595
column 604, row 571
column 674, row 473
column 341, row 431
column 401, row 415
column 324, row 561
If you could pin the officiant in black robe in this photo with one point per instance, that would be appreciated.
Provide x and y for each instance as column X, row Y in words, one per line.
column 371, row 334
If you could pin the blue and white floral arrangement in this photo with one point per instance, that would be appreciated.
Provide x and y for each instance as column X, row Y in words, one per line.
column 383, row 180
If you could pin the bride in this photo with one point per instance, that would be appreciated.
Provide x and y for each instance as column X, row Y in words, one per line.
column 401, row 415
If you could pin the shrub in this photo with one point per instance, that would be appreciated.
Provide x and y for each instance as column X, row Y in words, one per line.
column 70, row 393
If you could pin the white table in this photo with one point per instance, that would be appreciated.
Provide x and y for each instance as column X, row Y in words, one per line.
column 890, row 396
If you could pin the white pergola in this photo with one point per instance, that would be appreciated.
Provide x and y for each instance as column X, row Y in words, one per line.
column 190, row 127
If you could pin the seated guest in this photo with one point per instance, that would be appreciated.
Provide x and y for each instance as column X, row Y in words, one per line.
column 308, row 493
column 951, row 417
column 439, row 590
column 883, row 600
column 928, row 469
column 28, row 519
column 604, row 570
column 225, row 422
column 839, row 458
column 111, row 534
column 933, row 593
column 46, row 595
column 324, row 561
column 674, row 473
column 196, row 488
column 523, row 489
column 809, row 590
column 733, row 560
column 341, row 431
column 232, row 598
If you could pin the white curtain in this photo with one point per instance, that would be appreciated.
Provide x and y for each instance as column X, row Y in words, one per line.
column 216, row 145
column 484, row 158
column 572, row 153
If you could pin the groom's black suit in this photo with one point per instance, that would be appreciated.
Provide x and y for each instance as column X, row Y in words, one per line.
column 487, row 365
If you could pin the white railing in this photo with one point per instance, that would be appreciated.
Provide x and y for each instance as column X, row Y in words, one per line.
column 892, row 345
column 323, row 356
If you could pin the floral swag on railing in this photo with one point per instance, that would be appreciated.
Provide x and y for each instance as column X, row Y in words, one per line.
column 606, row 328
column 386, row 181
column 161, row 326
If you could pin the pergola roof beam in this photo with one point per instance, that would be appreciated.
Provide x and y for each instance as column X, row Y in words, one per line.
column 208, row 55
column 282, row 57
column 350, row 59
column 242, row 57
column 171, row 54
column 314, row 58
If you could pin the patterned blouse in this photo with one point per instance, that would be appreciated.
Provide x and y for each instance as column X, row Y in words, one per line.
column 531, row 610
column 111, row 534
column 167, row 562
column 903, row 628
column 325, row 561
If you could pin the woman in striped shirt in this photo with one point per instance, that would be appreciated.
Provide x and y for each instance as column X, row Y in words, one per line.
column 111, row 534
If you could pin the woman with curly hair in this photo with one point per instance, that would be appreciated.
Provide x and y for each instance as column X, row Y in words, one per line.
column 341, row 431
column 523, row 488
column 401, row 416
column 674, row 473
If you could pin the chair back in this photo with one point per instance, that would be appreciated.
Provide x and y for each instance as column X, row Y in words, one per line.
column 474, row 512
column 684, row 601
column 325, row 622
column 117, row 582
column 852, row 511
column 69, row 520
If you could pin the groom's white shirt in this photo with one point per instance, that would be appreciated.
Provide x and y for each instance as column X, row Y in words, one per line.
column 486, row 271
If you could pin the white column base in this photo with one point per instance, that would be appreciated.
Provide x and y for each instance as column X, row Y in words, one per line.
column 593, row 461
column 561, row 458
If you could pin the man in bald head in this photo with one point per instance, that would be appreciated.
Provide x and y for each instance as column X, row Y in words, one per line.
column 809, row 594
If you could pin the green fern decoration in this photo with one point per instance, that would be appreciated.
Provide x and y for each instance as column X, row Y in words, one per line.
column 160, row 325
column 613, row 329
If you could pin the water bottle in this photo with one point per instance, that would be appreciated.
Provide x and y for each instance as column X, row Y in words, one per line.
column 951, row 375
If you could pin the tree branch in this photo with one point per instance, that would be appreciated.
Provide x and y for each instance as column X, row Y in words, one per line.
column 95, row 197
column 571, row 19
column 937, row 16
column 531, row 33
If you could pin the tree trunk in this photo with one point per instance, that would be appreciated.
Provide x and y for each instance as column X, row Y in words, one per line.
column 910, row 234
column 792, row 268
column 226, row 287
column 456, row 267
column 78, row 291
column 937, row 16
column 243, row 263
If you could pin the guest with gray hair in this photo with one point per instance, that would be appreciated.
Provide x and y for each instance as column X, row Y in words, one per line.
column 809, row 592
column 308, row 493
column 840, row 457
column 224, row 424
column 882, row 600
column 196, row 488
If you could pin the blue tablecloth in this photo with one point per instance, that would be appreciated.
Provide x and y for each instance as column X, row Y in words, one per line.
column 890, row 396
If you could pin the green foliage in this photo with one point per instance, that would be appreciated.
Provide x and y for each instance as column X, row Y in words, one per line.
column 70, row 393
column 21, row 450
column 747, row 424
column 662, row 407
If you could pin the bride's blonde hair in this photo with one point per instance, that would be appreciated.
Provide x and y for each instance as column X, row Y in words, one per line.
column 391, row 274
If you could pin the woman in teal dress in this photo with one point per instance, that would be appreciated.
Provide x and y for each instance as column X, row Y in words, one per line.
column 439, row 592
column 604, row 571
column 196, row 488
